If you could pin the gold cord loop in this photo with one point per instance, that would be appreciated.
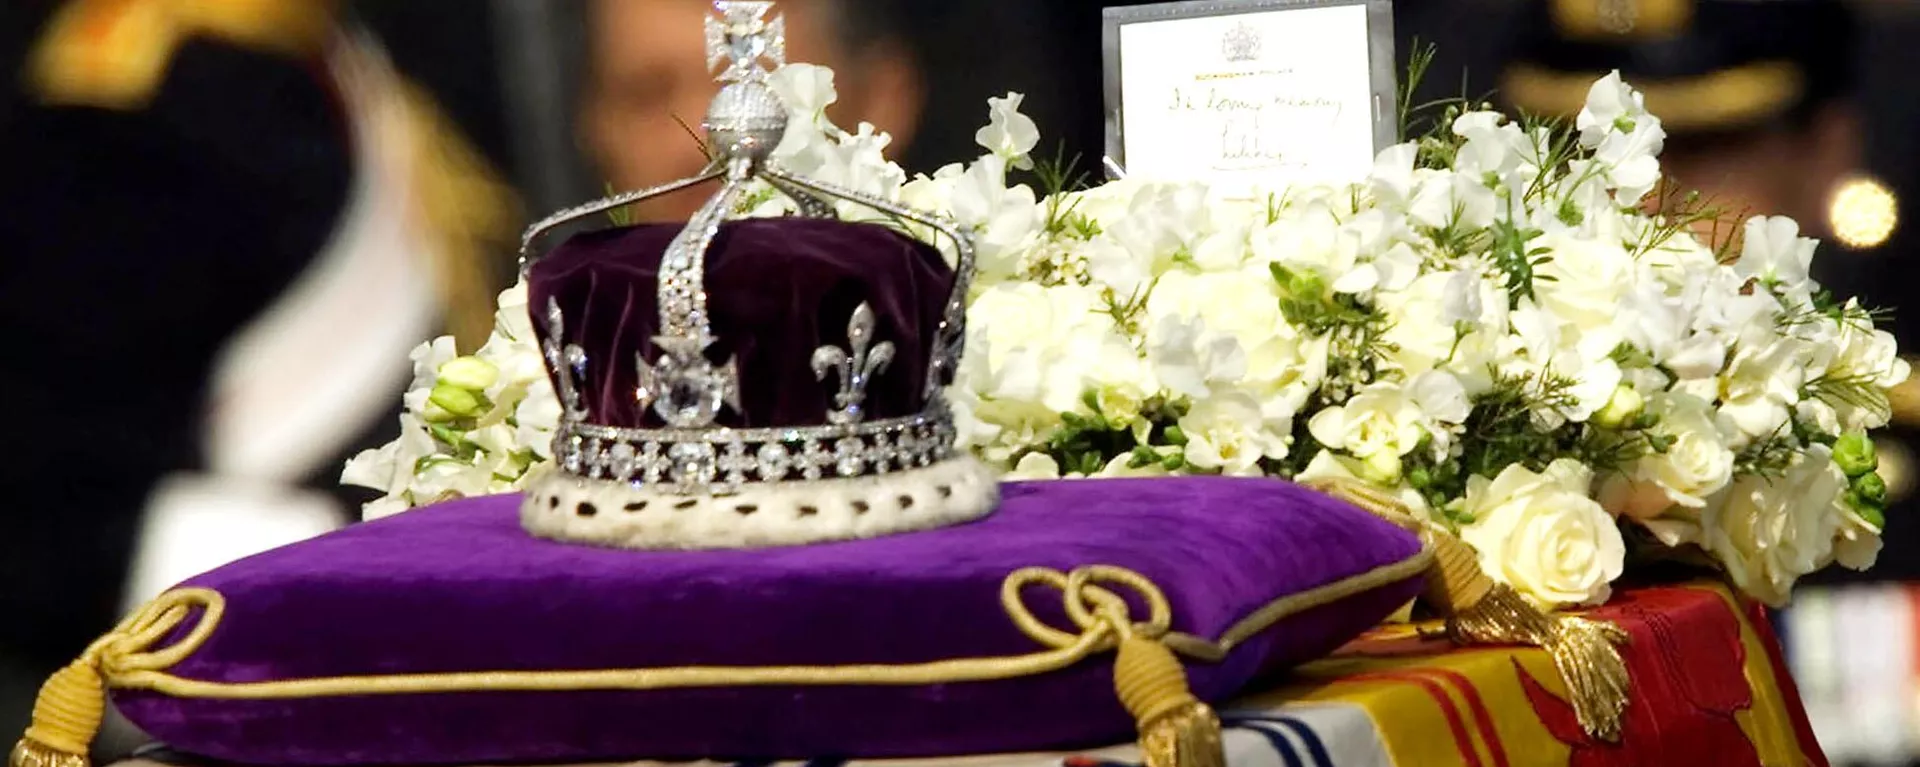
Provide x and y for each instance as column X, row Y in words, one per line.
column 68, row 713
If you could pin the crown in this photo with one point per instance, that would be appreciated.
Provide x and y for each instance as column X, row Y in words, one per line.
column 1242, row 43
column 733, row 383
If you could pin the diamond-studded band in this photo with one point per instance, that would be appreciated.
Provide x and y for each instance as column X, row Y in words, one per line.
column 719, row 461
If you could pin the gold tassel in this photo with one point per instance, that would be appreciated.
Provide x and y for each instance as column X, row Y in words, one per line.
column 1176, row 729
column 1480, row 610
column 66, row 716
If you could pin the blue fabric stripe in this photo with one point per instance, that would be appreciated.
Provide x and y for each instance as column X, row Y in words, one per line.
column 1316, row 748
column 1281, row 745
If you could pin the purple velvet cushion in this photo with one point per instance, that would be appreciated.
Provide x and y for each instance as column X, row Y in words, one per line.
column 460, row 587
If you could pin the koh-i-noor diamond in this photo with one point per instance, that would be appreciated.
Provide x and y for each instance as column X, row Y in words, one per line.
column 741, row 36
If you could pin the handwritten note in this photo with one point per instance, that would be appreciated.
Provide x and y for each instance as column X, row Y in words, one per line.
column 1251, row 101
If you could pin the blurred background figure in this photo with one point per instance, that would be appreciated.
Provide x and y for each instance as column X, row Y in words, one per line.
column 635, row 84
column 648, row 83
column 226, row 225
column 1757, row 98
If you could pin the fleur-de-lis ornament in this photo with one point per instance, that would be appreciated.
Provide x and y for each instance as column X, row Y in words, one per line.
column 569, row 360
column 866, row 360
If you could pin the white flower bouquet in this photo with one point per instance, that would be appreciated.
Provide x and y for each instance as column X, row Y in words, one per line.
column 1490, row 327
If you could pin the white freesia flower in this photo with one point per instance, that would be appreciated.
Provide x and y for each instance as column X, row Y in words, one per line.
column 1612, row 106
column 1761, row 386
column 1009, row 135
column 390, row 468
column 1775, row 252
column 1191, row 362
column 1856, row 542
column 1326, row 465
column 1227, row 434
column 1003, row 218
column 807, row 90
column 1544, row 535
column 1768, row 532
column 1034, row 466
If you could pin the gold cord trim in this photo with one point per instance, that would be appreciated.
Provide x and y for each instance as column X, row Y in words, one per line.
column 1723, row 99
column 1177, row 729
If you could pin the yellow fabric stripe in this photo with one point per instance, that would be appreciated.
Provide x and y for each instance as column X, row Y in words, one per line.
column 1769, row 721
column 114, row 54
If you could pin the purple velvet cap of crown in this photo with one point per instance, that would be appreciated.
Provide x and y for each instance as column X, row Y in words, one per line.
column 777, row 289
column 460, row 587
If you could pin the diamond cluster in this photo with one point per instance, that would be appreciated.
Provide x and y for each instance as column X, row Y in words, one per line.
column 721, row 461
column 694, row 454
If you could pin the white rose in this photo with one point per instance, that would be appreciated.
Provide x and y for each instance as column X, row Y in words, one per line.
column 1695, row 466
column 1543, row 535
column 1767, row 532
column 1586, row 278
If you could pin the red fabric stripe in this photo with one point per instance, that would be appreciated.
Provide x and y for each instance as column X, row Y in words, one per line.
column 1461, row 738
column 1483, row 718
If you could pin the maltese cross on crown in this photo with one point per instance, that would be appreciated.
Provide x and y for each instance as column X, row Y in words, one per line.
column 740, row 36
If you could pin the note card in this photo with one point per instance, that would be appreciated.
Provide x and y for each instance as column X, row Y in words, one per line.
column 1250, row 95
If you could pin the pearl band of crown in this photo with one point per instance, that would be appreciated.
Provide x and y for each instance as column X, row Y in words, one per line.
column 693, row 455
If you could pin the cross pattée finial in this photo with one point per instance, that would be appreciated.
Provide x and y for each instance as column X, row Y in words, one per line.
column 740, row 36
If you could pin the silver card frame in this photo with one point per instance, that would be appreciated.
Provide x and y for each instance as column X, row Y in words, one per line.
column 1384, row 67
